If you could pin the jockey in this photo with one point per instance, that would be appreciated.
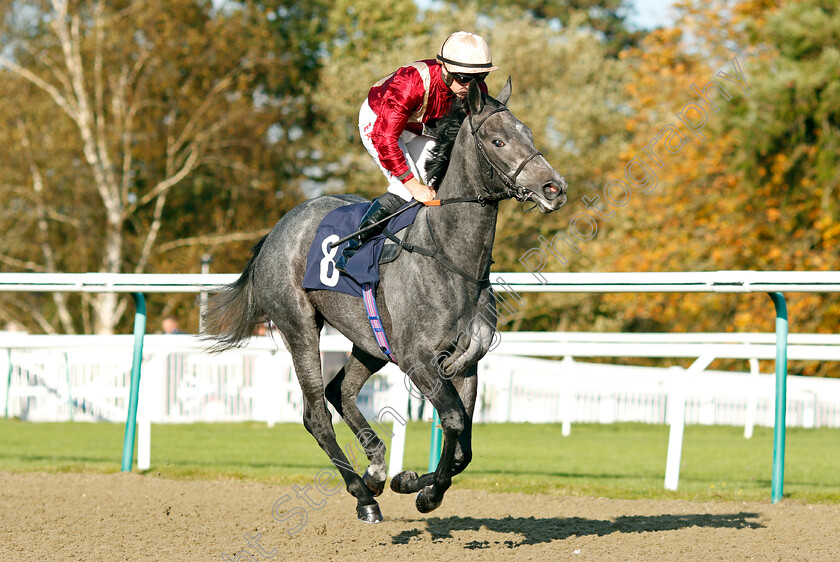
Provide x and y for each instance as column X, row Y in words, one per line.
column 395, row 118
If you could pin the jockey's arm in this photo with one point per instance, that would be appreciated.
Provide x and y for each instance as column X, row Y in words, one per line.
column 402, row 97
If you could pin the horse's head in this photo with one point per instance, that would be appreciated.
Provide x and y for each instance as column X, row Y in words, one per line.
column 513, row 167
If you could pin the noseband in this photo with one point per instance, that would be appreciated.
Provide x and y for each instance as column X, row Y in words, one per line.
column 512, row 189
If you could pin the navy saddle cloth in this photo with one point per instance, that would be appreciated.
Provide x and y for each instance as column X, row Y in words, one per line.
column 363, row 267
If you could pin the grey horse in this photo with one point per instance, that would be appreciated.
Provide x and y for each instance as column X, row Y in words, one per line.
column 433, row 304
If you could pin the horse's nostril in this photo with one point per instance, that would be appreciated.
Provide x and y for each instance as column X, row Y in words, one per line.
column 551, row 191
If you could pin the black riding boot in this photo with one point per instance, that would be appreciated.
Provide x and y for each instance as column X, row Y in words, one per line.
column 380, row 208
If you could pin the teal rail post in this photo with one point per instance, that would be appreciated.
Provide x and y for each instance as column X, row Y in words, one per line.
column 436, row 442
column 777, row 482
column 131, row 420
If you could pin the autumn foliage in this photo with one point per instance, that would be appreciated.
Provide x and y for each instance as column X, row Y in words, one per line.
column 759, row 191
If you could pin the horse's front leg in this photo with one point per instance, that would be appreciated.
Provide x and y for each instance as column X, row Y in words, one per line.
column 466, row 385
column 453, row 418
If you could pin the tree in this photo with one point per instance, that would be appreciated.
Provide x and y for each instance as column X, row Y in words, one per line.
column 114, row 109
column 757, row 191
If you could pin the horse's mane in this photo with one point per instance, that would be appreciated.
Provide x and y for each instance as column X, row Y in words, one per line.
column 446, row 130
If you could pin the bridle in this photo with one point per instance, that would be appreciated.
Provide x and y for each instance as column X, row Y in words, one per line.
column 512, row 189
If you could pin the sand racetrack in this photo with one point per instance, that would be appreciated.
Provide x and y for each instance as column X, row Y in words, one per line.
column 135, row 517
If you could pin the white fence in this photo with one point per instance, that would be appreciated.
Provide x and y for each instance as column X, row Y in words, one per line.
column 517, row 389
column 54, row 378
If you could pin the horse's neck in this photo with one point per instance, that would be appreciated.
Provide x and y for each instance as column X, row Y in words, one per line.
column 464, row 231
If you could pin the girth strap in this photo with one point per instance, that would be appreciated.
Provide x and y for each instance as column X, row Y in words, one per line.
column 375, row 322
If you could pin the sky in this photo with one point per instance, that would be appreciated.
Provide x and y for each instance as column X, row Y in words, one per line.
column 651, row 13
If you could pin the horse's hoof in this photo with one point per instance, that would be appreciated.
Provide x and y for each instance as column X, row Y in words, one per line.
column 369, row 513
column 424, row 503
column 402, row 482
column 375, row 486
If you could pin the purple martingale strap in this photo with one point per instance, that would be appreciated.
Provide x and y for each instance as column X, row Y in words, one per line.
column 375, row 323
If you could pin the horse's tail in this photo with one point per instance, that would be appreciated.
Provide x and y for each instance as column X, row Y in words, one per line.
column 232, row 312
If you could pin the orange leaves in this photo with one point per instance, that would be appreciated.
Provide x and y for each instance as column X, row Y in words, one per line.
column 831, row 233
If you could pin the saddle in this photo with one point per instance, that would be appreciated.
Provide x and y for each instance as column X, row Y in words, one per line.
column 363, row 267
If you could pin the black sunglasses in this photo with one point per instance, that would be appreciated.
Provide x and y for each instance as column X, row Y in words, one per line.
column 462, row 78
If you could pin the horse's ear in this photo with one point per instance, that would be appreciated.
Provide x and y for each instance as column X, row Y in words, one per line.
column 474, row 98
column 504, row 95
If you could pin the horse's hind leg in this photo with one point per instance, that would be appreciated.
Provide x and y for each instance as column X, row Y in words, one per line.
column 467, row 387
column 342, row 393
column 303, row 347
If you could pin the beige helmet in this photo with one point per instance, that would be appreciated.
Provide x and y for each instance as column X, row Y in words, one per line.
column 466, row 53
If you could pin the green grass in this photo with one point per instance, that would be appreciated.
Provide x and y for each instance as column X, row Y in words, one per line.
column 617, row 461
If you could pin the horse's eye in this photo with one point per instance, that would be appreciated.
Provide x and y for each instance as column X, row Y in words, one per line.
column 497, row 143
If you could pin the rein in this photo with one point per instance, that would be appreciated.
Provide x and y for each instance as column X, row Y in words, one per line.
column 449, row 201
